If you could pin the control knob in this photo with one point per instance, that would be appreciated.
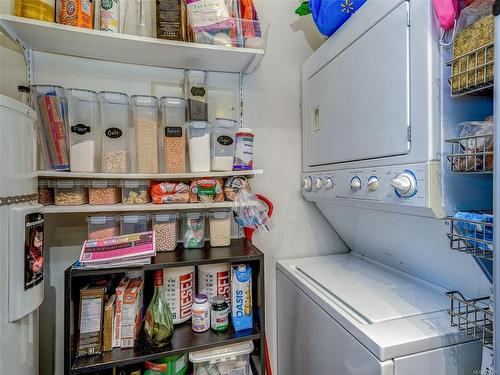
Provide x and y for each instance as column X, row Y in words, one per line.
column 329, row 183
column 307, row 184
column 405, row 184
column 373, row 183
column 318, row 183
column 355, row 184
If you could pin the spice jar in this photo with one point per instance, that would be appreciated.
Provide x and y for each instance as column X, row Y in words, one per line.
column 223, row 142
column 219, row 314
column 165, row 229
column 102, row 227
column 70, row 193
column 45, row 192
column 220, row 228
column 173, row 134
column 130, row 224
column 145, row 120
column 135, row 191
column 199, row 146
column 193, row 224
column 103, row 192
column 196, row 93
column 200, row 318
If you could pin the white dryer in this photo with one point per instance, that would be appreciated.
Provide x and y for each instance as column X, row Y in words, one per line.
column 346, row 315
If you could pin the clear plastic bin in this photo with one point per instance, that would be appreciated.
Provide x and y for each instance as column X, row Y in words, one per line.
column 130, row 224
column 70, row 193
column 84, row 134
column 196, row 93
column 220, row 228
column 45, row 192
column 102, row 227
column 193, row 224
column 103, row 192
column 198, row 133
column 135, row 191
column 231, row 359
column 145, row 120
column 165, row 228
column 43, row 10
column 52, row 109
column 173, row 135
column 223, row 142
column 115, row 127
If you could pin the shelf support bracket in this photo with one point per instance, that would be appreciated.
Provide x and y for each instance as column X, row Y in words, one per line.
column 27, row 53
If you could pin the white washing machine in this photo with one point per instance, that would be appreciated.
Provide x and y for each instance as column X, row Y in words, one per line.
column 346, row 315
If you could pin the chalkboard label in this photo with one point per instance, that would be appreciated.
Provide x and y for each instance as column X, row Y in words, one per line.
column 173, row 131
column 113, row 133
column 225, row 140
column 80, row 129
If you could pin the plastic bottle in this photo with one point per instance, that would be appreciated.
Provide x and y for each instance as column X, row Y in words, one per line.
column 243, row 154
column 43, row 10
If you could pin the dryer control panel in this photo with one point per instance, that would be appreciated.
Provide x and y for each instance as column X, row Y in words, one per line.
column 408, row 189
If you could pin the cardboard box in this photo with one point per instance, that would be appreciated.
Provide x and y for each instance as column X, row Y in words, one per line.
column 109, row 312
column 90, row 320
column 117, row 323
column 132, row 312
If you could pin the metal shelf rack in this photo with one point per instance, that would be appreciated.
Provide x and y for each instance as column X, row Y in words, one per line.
column 471, row 154
column 469, row 236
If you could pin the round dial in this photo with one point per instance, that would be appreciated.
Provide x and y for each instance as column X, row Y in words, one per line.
column 355, row 183
column 307, row 184
column 318, row 183
column 328, row 183
column 405, row 184
column 373, row 183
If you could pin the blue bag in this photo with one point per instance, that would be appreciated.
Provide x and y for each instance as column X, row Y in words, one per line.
column 330, row 15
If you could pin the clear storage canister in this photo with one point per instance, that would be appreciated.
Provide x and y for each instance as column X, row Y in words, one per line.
column 173, row 135
column 43, row 10
column 115, row 127
column 220, row 228
column 52, row 109
column 198, row 133
column 193, row 225
column 145, row 121
column 102, row 227
column 84, row 134
column 165, row 228
column 223, row 142
column 45, row 192
column 196, row 93
column 70, row 193
column 130, row 224
column 103, row 192
column 135, row 191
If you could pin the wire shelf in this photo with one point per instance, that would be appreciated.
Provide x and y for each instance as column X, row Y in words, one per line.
column 469, row 236
column 472, row 316
column 472, row 73
column 471, row 154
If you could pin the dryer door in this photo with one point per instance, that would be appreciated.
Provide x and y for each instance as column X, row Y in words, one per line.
column 358, row 104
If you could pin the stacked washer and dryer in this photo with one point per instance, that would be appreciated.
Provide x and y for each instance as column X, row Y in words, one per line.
column 372, row 165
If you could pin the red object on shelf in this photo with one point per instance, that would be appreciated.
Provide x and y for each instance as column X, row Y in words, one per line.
column 250, row 231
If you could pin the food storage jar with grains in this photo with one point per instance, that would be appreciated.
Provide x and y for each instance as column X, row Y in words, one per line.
column 135, row 191
column 52, row 109
column 196, row 93
column 145, row 121
column 83, row 130
column 193, row 224
column 170, row 19
column 45, row 192
column 70, row 193
column 102, row 227
column 130, row 224
column 173, row 135
column 43, row 10
column 115, row 126
column 198, row 133
column 103, row 192
column 139, row 17
column 220, row 228
column 165, row 229
column 223, row 142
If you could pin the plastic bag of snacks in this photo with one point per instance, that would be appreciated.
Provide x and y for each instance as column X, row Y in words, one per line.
column 206, row 190
column 170, row 192
column 233, row 185
column 251, row 212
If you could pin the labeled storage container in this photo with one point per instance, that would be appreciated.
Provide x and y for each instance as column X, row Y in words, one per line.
column 193, row 224
column 45, row 192
column 145, row 121
column 70, row 193
column 103, row 192
column 198, row 133
column 223, row 143
column 196, row 93
column 115, row 127
column 84, row 134
column 231, row 359
column 179, row 288
column 243, row 153
column 51, row 106
column 135, row 191
column 102, row 227
column 130, row 224
column 173, row 135
column 43, row 10
column 220, row 228
column 165, row 228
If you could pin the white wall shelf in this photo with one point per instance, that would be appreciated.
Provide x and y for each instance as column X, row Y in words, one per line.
column 74, row 41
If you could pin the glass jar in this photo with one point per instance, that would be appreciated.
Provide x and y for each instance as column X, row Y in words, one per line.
column 145, row 120
column 223, row 142
column 165, row 229
column 130, row 224
column 173, row 135
column 70, row 193
column 220, row 228
column 196, row 93
column 193, row 224
column 103, row 192
column 135, row 191
column 198, row 133
column 99, row 227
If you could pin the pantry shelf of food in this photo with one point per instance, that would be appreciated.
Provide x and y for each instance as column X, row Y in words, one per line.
column 149, row 176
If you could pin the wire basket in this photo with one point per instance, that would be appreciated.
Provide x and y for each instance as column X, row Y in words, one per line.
column 471, row 154
column 472, row 316
column 472, row 73
column 469, row 236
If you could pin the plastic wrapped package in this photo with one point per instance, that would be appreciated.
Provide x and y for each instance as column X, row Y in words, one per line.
column 170, row 192
column 193, row 224
column 206, row 190
column 478, row 139
column 233, row 185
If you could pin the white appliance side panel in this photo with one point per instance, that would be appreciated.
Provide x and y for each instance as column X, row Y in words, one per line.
column 462, row 359
column 311, row 342
column 358, row 105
